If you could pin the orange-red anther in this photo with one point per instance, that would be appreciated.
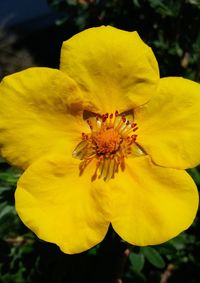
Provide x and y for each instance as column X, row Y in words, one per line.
column 135, row 129
column 133, row 125
column 123, row 118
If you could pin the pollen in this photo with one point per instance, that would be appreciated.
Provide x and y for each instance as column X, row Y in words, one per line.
column 107, row 141
column 112, row 139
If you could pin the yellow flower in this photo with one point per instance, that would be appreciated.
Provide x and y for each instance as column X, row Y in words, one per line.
column 102, row 140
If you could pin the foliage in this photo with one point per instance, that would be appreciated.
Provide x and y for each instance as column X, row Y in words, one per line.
column 172, row 29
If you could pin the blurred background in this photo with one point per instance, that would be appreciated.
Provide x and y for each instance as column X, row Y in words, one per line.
column 31, row 34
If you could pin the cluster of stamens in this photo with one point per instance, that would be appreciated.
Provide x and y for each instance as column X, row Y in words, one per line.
column 109, row 143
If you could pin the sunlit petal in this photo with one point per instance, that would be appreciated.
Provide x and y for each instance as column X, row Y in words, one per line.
column 62, row 207
column 169, row 125
column 114, row 68
column 151, row 204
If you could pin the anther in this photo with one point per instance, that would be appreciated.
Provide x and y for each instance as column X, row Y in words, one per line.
column 134, row 137
column 133, row 125
column 123, row 118
column 84, row 136
column 103, row 117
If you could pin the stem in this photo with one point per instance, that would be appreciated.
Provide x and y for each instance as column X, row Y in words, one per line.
column 121, row 265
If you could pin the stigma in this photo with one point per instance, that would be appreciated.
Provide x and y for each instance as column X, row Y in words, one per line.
column 112, row 139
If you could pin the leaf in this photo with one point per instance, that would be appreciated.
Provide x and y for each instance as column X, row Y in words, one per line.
column 9, row 177
column 5, row 209
column 166, row 249
column 136, row 3
column 3, row 190
column 93, row 251
column 153, row 257
column 137, row 261
column 179, row 242
column 196, row 3
column 163, row 9
column 195, row 174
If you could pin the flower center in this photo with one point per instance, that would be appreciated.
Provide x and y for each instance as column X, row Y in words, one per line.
column 111, row 139
column 107, row 141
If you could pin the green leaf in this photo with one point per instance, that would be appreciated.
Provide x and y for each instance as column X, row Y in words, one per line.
column 153, row 257
column 166, row 249
column 94, row 250
column 5, row 209
column 136, row 3
column 9, row 177
column 195, row 174
column 179, row 242
column 194, row 2
column 137, row 261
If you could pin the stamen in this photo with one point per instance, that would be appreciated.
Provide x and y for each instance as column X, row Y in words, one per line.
column 123, row 118
column 105, row 169
column 117, row 121
column 135, row 129
column 110, row 142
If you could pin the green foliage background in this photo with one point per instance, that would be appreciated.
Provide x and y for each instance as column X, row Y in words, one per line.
column 172, row 29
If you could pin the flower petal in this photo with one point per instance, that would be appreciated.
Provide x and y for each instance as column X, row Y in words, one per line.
column 60, row 206
column 114, row 68
column 152, row 204
column 35, row 114
column 169, row 125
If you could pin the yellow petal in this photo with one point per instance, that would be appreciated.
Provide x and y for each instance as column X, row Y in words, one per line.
column 60, row 206
column 35, row 114
column 151, row 204
column 114, row 68
column 169, row 125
